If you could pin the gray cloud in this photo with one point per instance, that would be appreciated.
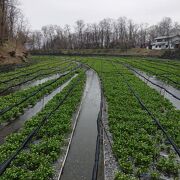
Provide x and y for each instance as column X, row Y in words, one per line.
column 61, row 12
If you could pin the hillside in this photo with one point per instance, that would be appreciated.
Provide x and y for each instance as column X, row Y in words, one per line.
column 9, row 56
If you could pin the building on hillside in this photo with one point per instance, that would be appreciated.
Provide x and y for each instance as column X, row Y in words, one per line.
column 166, row 42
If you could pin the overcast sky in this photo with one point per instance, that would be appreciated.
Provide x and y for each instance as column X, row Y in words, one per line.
column 61, row 12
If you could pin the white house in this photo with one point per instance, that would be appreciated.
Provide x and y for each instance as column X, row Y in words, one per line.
column 166, row 42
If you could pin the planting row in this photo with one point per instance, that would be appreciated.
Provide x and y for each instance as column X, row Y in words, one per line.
column 141, row 149
column 12, row 105
column 164, row 62
column 37, row 159
column 30, row 71
column 40, row 62
column 8, row 79
column 164, row 72
column 159, row 106
column 26, row 81
column 160, row 67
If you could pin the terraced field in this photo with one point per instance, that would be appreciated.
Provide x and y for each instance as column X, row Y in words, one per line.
column 105, row 121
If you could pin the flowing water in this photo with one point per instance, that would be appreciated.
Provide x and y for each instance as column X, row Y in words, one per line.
column 29, row 113
column 33, row 83
column 81, row 157
column 171, row 89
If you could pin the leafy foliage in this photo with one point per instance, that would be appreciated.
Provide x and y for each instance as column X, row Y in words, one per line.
column 36, row 161
column 137, row 142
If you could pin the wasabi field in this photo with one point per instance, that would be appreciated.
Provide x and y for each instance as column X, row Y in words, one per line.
column 90, row 117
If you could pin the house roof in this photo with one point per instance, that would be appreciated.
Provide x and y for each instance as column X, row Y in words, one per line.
column 162, row 37
column 166, row 37
column 159, row 43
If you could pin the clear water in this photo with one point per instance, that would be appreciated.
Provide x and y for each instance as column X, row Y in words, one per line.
column 29, row 113
column 81, row 157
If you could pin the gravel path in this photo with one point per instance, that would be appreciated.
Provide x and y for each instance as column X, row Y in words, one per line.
column 110, row 163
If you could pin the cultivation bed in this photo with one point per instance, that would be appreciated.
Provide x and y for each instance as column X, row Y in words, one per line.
column 106, row 124
column 15, row 125
column 29, row 80
column 172, row 94
column 163, row 71
column 113, row 77
column 42, row 134
column 22, row 99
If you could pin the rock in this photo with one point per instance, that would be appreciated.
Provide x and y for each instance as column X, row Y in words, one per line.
column 12, row 53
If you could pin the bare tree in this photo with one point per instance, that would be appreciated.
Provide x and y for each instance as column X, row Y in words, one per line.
column 79, row 28
column 13, row 15
column 3, row 20
column 165, row 26
column 13, row 26
column 21, row 31
column 108, row 33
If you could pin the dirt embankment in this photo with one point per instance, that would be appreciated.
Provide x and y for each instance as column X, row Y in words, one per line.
column 133, row 51
column 9, row 55
column 118, row 52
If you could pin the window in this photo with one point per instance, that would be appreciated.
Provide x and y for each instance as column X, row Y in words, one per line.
column 176, row 46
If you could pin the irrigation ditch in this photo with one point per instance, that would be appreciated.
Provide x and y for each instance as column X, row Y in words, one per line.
column 165, row 71
column 34, row 132
column 156, row 121
column 164, row 74
column 83, row 155
column 3, row 111
column 15, row 125
column 169, row 92
column 21, row 69
column 26, row 74
column 30, row 82
column 87, row 152
column 82, row 159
